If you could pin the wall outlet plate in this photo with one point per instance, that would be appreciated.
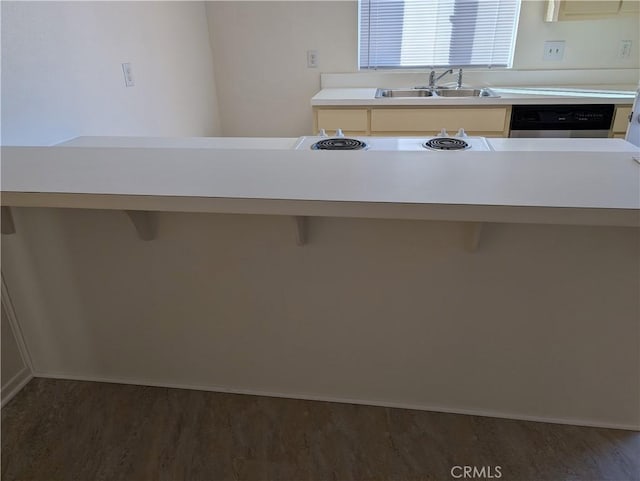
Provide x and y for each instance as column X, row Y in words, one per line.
column 312, row 59
column 553, row 50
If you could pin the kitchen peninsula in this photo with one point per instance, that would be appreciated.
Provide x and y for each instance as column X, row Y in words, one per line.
column 381, row 305
column 589, row 182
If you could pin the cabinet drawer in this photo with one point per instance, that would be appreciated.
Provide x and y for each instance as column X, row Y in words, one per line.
column 621, row 119
column 435, row 119
column 345, row 119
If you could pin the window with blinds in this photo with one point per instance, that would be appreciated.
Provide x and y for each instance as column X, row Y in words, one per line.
column 437, row 33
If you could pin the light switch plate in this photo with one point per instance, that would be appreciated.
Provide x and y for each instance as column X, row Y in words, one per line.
column 625, row 49
column 127, row 70
column 553, row 50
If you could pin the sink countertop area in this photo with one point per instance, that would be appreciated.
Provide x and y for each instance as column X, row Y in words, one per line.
column 507, row 96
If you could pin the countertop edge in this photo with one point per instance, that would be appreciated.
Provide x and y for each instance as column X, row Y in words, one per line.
column 327, row 208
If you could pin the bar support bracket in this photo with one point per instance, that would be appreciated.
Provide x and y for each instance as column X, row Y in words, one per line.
column 8, row 227
column 301, row 229
column 472, row 234
column 145, row 223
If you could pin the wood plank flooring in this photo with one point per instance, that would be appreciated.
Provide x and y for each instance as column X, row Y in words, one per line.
column 69, row 430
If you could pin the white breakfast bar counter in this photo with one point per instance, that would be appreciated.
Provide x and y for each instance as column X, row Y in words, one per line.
column 537, row 319
column 563, row 181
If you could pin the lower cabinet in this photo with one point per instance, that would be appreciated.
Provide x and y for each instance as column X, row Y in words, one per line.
column 428, row 121
column 351, row 121
column 475, row 121
column 412, row 121
column 620, row 122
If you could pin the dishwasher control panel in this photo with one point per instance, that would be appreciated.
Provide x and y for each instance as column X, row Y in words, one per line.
column 562, row 117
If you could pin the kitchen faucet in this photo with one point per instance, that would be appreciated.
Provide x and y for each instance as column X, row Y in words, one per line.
column 433, row 79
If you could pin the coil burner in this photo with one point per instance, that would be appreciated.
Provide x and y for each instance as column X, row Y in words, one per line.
column 446, row 143
column 340, row 143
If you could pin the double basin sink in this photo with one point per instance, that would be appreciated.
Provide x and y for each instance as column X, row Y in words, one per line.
column 435, row 92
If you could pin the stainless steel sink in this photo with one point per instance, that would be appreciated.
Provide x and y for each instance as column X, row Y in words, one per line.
column 465, row 93
column 437, row 92
column 404, row 93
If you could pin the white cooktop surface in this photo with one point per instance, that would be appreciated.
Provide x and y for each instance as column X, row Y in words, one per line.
column 396, row 143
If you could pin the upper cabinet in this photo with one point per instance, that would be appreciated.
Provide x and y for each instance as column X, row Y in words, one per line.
column 630, row 7
column 559, row 10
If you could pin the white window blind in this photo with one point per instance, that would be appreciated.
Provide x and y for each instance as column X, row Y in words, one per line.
column 437, row 33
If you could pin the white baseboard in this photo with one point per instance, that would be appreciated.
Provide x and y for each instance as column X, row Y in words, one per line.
column 15, row 384
column 366, row 402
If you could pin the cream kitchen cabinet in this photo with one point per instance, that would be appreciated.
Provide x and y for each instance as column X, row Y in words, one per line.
column 415, row 121
column 559, row 10
column 489, row 122
column 630, row 7
column 351, row 121
column 620, row 122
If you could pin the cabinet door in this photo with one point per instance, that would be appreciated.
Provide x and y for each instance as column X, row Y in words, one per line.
column 590, row 7
column 630, row 7
column 621, row 120
column 489, row 121
column 582, row 9
column 351, row 121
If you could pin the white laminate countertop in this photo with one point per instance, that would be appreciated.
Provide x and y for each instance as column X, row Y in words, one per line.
column 276, row 143
column 508, row 96
column 592, row 188
column 574, row 145
column 263, row 143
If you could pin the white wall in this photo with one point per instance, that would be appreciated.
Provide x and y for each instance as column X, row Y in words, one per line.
column 541, row 321
column 62, row 75
column 264, row 85
column 260, row 53
column 590, row 44
column 61, row 64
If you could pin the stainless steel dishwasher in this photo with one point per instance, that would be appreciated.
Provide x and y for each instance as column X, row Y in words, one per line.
column 589, row 120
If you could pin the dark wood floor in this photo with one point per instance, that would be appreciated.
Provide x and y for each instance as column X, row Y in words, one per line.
column 68, row 430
